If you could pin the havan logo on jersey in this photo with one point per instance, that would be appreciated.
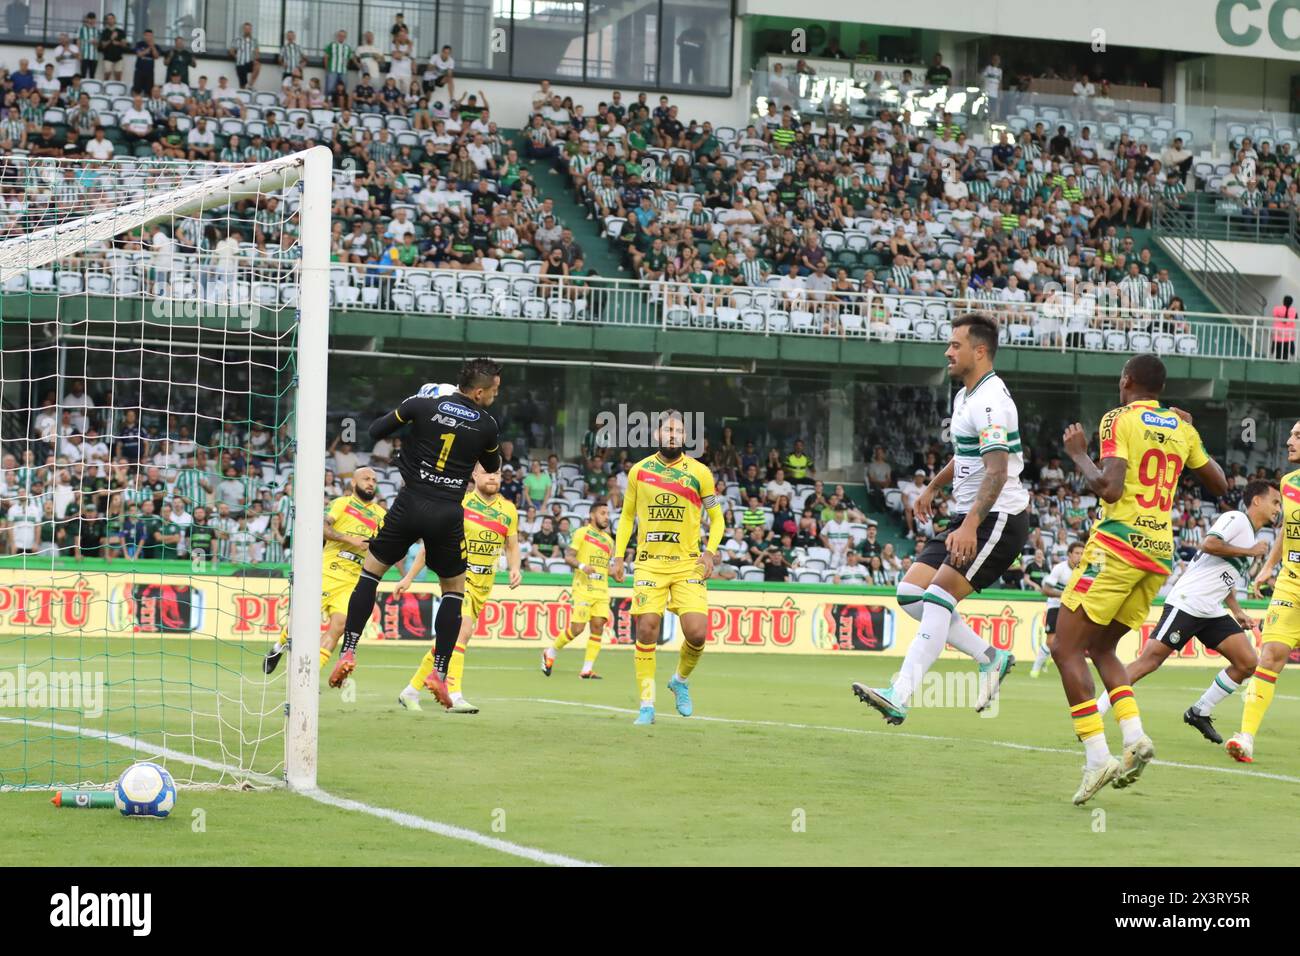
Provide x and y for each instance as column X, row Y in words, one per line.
column 665, row 508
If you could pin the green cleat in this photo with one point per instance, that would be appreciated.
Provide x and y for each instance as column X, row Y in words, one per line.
column 409, row 698
column 991, row 677
column 682, row 694
column 883, row 701
column 460, row 705
column 645, row 716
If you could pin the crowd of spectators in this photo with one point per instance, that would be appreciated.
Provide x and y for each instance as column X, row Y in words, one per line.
column 92, row 481
column 424, row 177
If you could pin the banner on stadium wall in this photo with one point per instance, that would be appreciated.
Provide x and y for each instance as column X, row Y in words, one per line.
column 795, row 621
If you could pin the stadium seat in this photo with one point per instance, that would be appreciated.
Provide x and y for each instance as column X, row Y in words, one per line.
column 403, row 300
column 428, row 302
column 801, row 321
column 534, row 309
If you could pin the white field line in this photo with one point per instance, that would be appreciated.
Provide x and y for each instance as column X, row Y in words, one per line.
column 408, row 820
column 1009, row 745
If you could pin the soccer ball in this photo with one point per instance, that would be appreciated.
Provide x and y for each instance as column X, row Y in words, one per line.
column 145, row 790
column 436, row 390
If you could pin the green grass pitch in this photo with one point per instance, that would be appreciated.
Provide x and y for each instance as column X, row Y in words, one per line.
column 781, row 766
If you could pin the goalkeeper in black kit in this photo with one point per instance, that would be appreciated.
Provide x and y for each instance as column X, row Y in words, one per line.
column 445, row 438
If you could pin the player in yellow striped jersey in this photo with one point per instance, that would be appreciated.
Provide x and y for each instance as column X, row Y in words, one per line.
column 588, row 554
column 1145, row 446
column 1282, row 622
column 351, row 521
column 667, row 496
column 491, row 526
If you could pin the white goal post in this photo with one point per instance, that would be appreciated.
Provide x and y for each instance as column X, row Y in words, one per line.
column 80, row 279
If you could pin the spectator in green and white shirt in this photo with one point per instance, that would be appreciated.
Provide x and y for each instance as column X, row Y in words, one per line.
column 291, row 55
column 339, row 58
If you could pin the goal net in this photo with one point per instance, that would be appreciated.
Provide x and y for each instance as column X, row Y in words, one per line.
column 162, row 441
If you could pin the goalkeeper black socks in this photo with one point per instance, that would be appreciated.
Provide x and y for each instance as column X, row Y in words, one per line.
column 446, row 629
column 360, row 607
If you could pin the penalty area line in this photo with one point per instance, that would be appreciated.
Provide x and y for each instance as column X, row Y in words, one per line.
column 858, row 731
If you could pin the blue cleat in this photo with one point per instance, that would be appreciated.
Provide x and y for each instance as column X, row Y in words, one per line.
column 646, row 716
column 991, row 678
column 883, row 701
column 683, row 695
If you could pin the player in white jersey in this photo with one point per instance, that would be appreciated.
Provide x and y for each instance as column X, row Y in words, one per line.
column 1054, row 585
column 1195, row 606
column 988, row 530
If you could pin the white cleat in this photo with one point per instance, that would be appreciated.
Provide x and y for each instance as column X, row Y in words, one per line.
column 1241, row 747
column 409, row 698
column 459, row 705
column 1136, row 757
column 1094, row 780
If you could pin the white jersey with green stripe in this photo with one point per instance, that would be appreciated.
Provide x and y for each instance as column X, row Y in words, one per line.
column 985, row 419
column 1201, row 589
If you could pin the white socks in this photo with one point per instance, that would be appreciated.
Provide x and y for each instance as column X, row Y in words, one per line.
column 1132, row 730
column 1219, row 690
column 1044, row 652
column 936, row 620
column 1097, row 751
column 967, row 641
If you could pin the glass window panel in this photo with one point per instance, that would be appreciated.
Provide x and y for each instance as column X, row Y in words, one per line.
column 621, row 41
column 166, row 18
column 548, row 38
column 226, row 19
column 479, row 34
column 695, row 47
column 380, row 17
column 316, row 22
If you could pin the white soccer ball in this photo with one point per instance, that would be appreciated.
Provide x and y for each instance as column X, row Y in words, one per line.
column 145, row 790
column 436, row 390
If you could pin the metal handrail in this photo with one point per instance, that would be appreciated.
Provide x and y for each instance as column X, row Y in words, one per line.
column 1074, row 319
column 1216, row 276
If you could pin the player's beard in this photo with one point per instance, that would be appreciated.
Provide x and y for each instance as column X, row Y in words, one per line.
column 364, row 495
column 669, row 454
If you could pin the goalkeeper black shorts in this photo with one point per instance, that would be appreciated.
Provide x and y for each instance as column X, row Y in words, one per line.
column 438, row 522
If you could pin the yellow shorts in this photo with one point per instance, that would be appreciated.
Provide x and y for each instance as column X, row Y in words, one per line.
column 1109, row 589
column 335, row 594
column 1282, row 622
column 476, row 596
column 679, row 590
column 589, row 604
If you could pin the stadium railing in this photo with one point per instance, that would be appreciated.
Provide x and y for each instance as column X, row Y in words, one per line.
column 1078, row 318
